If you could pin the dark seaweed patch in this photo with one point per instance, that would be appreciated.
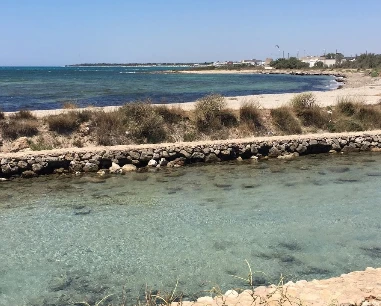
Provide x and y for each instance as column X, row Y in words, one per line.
column 292, row 246
column 374, row 252
column 250, row 186
column 316, row 270
column 223, row 185
column 339, row 169
column 377, row 173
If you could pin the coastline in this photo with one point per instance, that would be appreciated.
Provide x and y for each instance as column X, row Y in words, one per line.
column 354, row 84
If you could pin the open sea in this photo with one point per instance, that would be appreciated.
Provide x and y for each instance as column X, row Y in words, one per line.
column 82, row 238
column 36, row 88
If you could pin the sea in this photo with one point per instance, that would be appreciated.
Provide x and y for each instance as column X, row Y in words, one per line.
column 192, row 229
column 38, row 88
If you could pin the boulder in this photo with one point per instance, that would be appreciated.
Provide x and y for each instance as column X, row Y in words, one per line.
column 212, row 158
column 152, row 163
column 128, row 168
column 90, row 167
column 115, row 168
column 274, row 152
column 28, row 174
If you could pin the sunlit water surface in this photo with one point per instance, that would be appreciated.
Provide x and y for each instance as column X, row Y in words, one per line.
column 86, row 237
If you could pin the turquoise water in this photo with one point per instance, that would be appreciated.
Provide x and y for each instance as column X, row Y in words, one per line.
column 86, row 237
column 49, row 87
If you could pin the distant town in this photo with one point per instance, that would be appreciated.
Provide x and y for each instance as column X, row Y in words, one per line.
column 329, row 60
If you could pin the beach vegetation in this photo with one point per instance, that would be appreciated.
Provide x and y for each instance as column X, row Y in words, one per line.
column 69, row 105
column 64, row 123
column 285, row 121
column 346, row 105
column 23, row 115
column 40, row 144
column 2, row 115
column 15, row 128
column 171, row 114
column 250, row 113
column 308, row 111
column 144, row 124
column 208, row 112
column 109, row 128
column 369, row 116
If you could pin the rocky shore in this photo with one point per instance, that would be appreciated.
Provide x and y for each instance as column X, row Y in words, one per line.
column 355, row 288
column 122, row 159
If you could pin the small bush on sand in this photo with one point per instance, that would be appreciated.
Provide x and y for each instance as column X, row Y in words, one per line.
column 109, row 128
column 15, row 128
column 40, row 144
column 346, row 125
column 2, row 115
column 369, row 116
column 227, row 118
column 305, row 107
column 23, row 114
column 346, row 105
column 171, row 115
column 84, row 115
column 303, row 101
column 285, row 121
column 69, row 105
column 208, row 112
column 143, row 122
column 64, row 123
column 250, row 113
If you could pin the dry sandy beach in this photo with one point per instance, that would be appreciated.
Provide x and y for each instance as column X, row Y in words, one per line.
column 356, row 85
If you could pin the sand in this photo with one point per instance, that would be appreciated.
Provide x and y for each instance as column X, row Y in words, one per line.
column 363, row 88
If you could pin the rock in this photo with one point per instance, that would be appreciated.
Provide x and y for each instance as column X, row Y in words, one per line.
column 274, row 152
column 185, row 154
column 115, row 168
column 239, row 159
column 231, row 293
column 20, row 144
column 289, row 156
column 198, row 157
column 152, row 163
column 90, row 167
column 163, row 162
column 205, row 299
column 36, row 167
column 22, row 164
column 28, row 174
column 212, row 158
column 301, row 149
column 128, row 168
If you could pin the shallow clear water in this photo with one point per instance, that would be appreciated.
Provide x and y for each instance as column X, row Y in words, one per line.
column 315, row 217
column 49, row 87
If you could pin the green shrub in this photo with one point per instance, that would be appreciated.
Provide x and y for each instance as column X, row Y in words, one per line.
column 374, row 74
column 64, row 123
column 84, row 115
column 143, row 122
column 250, row 113
column 15, row 128
column 208, row 111
column 285, row 121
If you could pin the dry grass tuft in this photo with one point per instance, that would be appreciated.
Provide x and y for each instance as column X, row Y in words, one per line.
column 285, row 121
column 143, row 122
column 250, row 113
column 171, row 114
column 208, row 112
column 15, row 128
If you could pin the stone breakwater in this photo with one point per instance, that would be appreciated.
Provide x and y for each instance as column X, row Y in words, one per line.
column 121, row 159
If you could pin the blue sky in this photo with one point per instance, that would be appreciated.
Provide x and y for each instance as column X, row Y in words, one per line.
column 59, row 32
